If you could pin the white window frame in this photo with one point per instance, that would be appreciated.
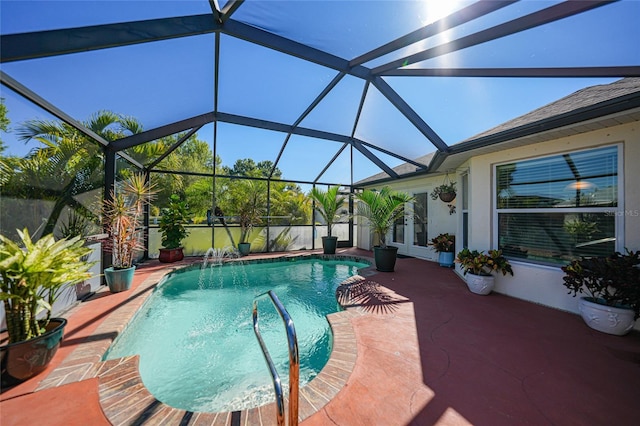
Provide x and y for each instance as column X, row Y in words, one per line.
column 619, row 218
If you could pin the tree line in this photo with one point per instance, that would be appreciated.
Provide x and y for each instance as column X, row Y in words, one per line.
column 57, row 186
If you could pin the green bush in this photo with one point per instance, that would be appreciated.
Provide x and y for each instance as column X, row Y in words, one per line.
column 33, row 275
column 172, row 223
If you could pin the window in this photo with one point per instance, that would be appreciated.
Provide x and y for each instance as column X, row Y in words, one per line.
column 420, row 220
column 558, row 208
column 465, row 209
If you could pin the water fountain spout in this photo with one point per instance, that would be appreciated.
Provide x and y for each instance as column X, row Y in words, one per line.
column 215, row 257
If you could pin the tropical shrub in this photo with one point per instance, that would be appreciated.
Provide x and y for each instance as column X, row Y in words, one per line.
column 609, row 280
column 124, row 213
column 33, row 275
column 444, row 243
column 480, row 263
column 381, row 209
column 172, row 223
column 329, row 203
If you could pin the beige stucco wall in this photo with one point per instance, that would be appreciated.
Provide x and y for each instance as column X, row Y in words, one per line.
column 439, row 219
column 543, row 284
column 537, row 283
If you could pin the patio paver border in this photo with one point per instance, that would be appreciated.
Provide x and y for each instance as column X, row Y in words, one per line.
column 125, row 399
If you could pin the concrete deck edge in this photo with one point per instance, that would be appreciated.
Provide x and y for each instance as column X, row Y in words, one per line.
column 125, row 400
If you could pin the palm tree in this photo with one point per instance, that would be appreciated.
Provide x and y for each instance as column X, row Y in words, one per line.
column 329, row 203
column 67, row 165
column 381, row 209
column 246, row 199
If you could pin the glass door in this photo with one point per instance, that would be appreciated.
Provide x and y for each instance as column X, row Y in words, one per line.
column 410, row 232
column 418, row 227
column 398, row 232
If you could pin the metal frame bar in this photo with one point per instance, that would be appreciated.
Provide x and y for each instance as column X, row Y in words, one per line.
column 216, row 81
column 310, row 108
column 38, row 100
column 293, row 48
column 41, row 44
column 469, row 13
column 215, row 9
column 532, row 20
column 14, row 47
column 333, row 83
column 331, row 162
column 627, row 71
column 374, row 159
column 399, row 157
column 303, row 182
column 279, row 156
column 162, row 131
column 409, row 113
column 173, row 147
column 230, row 8
column 33, row 97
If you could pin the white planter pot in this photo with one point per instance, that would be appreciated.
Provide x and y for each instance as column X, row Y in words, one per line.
column 607, row 319
column 480, row 284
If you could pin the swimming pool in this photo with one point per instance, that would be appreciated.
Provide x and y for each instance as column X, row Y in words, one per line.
column 195, row 338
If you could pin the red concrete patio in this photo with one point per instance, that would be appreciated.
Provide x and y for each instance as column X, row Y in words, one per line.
column 428, row 352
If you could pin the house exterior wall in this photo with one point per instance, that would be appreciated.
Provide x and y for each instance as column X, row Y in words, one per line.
column 439, row 219
column 537, row 283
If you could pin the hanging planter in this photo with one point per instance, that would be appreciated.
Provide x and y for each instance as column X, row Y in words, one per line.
column 446, row 192
column 447, row 197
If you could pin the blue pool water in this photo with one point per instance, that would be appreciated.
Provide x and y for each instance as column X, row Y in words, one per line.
column 195, row 335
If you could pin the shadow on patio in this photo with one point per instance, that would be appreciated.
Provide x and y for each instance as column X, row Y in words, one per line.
column 453, row 357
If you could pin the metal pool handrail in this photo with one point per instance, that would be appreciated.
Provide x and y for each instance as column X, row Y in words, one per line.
column 294, row 360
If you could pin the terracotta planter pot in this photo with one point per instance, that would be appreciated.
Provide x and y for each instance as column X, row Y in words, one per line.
column 22, row 360
column 171, row 255
column 329, row 244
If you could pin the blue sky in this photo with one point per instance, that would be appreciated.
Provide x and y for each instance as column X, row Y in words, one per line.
column 163, row 82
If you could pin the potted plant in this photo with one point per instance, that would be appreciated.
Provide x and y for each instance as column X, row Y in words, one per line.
column 613, row 287
column 246, row 225
column 381, row 209
column 478, row 267
column 444, row 245
column 124, row 213
column 173, row 230
column 446, row 192
column 32, row 276
column 329, row 204
column 246, row 199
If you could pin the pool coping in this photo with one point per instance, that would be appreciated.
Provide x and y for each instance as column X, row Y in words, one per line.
column 125, row 400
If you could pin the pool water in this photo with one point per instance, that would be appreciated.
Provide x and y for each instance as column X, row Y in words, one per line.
column 195, row 337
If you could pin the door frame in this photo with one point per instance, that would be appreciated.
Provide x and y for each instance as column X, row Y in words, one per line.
column 408, row 248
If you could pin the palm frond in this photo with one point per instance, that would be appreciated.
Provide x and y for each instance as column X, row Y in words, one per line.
column 381, row 209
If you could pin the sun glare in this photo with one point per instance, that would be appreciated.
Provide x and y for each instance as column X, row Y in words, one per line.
column 432, row 10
